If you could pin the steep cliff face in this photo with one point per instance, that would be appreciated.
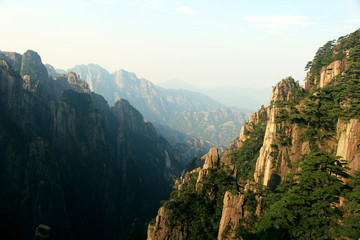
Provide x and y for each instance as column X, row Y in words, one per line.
column 296, row 141
column 231, row 214
column 285, row 140
column 69, row 161
column 282, row 144
column 348, row 142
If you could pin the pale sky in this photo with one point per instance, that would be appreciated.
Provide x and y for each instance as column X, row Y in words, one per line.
column 203, row 42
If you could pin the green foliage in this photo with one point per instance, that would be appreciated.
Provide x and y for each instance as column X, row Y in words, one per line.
column 304, row 208
column 331, row 52
column 245, row 157
column 306, row 204
column 245, row 227
column 198, row 213
column 351, row 227
column 282, row 116
column 308, row 65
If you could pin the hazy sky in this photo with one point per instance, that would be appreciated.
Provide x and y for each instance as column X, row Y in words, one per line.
column 203, row 42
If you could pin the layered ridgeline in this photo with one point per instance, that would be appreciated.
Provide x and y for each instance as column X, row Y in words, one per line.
column 190, row 113
column 294, row 171
column 71, row 162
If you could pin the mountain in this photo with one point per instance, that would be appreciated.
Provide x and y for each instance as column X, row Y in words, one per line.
column 220, row 125
column 154, row 102
column 243, row 99
column 168, row 107
column 71, row 162
column 188, row 146
column 294, row 171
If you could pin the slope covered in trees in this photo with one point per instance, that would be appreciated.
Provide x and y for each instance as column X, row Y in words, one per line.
column 294, row 171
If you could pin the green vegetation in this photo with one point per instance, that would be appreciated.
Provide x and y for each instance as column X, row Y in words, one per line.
column 245, row 157
column 331, row 52
column 318, row 110
column 318, row 200
column 197, row 213
column 351, row 227
column 305, row 207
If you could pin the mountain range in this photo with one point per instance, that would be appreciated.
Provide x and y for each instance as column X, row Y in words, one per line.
column 242, row 99
column 206, row 122
column 294, row 172
column 71, row 162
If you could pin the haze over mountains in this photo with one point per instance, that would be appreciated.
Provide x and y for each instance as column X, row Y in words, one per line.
column 244, row 99
column 93, row 171
column 202, row 121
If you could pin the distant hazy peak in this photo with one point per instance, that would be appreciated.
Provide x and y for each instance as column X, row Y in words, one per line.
column 177, row 84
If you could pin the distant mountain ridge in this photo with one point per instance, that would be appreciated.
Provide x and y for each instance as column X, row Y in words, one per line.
column 169, row 107
column 123, row 84
column 244, row 99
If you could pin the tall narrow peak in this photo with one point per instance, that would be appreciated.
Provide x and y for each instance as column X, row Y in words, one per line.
column 13, row 59
column 269, row 166
column 32, row 70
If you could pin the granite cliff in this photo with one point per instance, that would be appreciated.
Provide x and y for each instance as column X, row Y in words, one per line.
column 71, row 162
column 284, row 177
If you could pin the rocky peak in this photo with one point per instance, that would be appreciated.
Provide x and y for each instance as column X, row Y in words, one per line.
column 32, row 65
column 211, row 158
column 98, row 78
column 13, row 59
column 69, row 81
column 282, row 90
column 231, row 214
column 75, row 80
column 125, row 79
column 131, row 119
column 52, row 71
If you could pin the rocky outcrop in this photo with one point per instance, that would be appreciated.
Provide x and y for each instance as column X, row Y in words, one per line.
column 254, row 119
column 231, row 214
column 348, row 147
column 211, row 159
column 267, row 171
column 160, row 230
column 14, row 59
column 42, row 232
column 75, row 82
column 328, row 73
column 52, row 71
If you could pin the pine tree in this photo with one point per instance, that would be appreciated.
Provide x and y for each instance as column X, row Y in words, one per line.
column 306, row 205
